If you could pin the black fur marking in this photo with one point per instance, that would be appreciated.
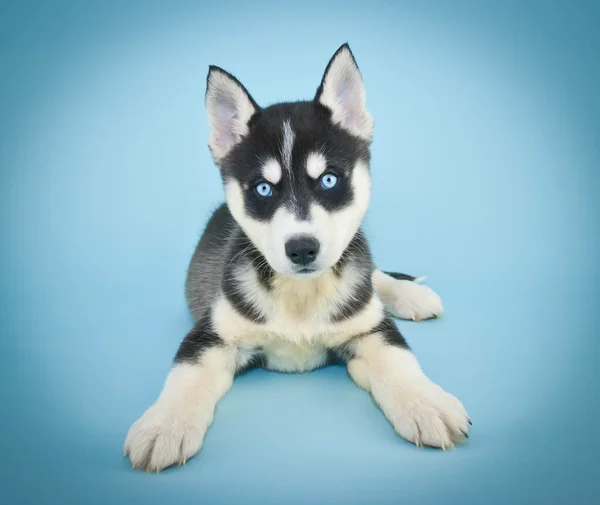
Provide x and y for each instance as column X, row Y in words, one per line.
column 341, row 354
column 358, row 244
column 241, row 255
column 200, row 338
column 402, row 277
column 313, row 132
column 338, row 269
column 334, row 358
column 391, row 335
column 386, row 327
column 358, row 251
column 231, row 289
column 261, row 266
column 203, row 280
column 356, row 255
column 219, row 226
column 360, row 298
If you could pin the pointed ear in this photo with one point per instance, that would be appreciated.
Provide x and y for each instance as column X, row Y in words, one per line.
column 229, row 107
column 343, row 92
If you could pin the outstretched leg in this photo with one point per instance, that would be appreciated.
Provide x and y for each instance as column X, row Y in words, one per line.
column 419, row 410
column 405, row 298
column 172, row 430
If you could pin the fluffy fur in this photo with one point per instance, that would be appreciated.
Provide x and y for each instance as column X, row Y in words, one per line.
column 282, row 277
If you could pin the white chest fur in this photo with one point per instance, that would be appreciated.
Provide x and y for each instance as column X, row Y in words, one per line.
column 298, row 328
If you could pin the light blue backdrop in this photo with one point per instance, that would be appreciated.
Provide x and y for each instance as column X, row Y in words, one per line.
column 486, row 177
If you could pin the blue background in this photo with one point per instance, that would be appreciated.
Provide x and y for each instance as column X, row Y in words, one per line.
column 486, row 178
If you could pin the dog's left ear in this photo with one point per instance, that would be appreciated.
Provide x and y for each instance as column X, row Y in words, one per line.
column 343, row 92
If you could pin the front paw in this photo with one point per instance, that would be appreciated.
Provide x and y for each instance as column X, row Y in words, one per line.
column 410, row 300
column 164, row 436
column 426, row 415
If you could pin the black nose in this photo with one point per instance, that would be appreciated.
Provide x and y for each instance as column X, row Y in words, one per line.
column 302, row 250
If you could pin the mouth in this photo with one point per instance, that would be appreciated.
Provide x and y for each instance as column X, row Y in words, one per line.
column 306, row 273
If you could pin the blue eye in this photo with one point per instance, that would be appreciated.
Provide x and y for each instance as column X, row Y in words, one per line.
column 264, row 189
column 328, row 181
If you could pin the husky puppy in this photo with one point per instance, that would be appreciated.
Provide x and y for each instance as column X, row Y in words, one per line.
column 282, row 277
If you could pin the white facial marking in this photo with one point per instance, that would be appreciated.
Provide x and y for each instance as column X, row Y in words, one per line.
column 271, row 171
column 256, row 230
column 268, row 237
column 344, row 93
column 334, row 230
column 315, row 165
column 339, row 227
column 284, row 226
column 288, row 145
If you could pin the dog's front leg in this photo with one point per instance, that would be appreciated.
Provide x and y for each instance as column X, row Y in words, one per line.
column 406, row 298
column 419, row 410
column 171, row 431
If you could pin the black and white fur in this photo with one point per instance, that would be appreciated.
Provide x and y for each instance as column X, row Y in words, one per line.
column 254, row 305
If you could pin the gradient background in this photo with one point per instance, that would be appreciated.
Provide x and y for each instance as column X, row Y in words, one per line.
column 486, row 177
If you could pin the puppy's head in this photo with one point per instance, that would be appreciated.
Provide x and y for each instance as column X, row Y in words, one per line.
column 296, row 175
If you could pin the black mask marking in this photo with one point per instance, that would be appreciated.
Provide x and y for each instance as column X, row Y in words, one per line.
column 313, row 132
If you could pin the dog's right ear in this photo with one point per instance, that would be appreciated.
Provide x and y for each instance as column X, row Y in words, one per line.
column 229, row 108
